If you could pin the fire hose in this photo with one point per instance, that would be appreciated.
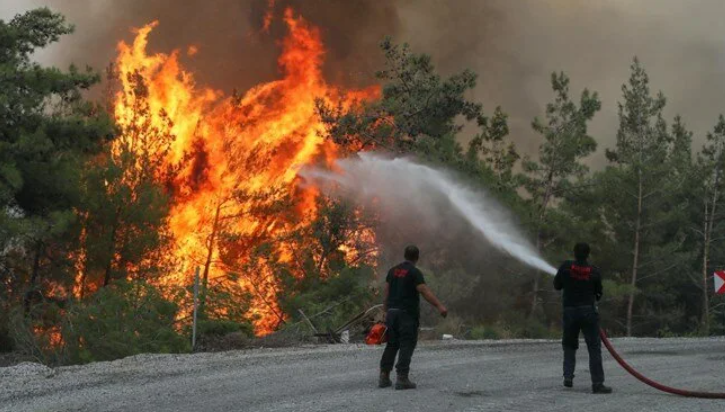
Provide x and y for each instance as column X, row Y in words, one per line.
column 650, row 382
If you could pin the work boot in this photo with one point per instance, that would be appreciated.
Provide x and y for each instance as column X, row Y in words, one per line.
column 601, row 389
column 404, row 383
column 384, row 380
column 568, row 382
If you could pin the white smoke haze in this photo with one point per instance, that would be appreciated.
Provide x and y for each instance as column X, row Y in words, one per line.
column 404, row 191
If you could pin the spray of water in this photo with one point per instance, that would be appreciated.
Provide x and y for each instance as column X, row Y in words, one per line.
column 395, row 182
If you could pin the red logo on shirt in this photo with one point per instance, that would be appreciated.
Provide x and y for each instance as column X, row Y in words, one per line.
column 580, row 272
column 400, row 273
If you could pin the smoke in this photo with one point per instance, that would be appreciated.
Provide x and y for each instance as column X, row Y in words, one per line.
column 234, row 52
column 411, row 195
column 512, row 45
column 515, row 45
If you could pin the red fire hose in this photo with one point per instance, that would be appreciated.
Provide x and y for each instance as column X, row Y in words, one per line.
column 650, row 382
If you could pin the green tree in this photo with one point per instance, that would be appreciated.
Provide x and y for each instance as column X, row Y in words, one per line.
column 681, row 149
column 491, row 147
column 566, row 143
column 711, row 193
column 417, row 112
column 639, row 184
column 47, row 132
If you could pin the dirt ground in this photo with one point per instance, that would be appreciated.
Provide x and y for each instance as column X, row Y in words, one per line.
column 452, row 376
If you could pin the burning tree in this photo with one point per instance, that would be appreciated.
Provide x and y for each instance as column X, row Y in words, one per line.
column 235, row 161
column 125, row 206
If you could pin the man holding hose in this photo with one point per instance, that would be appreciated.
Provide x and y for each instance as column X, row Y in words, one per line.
column 401, row 304
column 582, row 285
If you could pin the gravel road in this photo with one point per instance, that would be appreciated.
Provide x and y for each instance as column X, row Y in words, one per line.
column 451, row 376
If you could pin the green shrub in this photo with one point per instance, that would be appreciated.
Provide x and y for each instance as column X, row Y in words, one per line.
column 483, row 332
column 37, row 333
column 221, row 335
column 121, row 320
column 217, row 328
column 515, row 325
column 534, row 329
column 226, row 303
column 332, row 301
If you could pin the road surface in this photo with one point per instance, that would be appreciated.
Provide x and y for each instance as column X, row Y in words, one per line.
column 451, row 376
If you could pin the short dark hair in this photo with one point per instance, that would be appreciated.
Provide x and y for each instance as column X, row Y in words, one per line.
column 581, row 251
column 412, row 253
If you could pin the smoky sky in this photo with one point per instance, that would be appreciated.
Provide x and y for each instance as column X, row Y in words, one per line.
column 233, row 52
column 513, row 45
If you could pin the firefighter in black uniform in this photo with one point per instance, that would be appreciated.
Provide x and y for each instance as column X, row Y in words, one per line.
column 582, row 285
column 403, row 285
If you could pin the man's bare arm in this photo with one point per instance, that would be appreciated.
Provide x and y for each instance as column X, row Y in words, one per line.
column 425, row 291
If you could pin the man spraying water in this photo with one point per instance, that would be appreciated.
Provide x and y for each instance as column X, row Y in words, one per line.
column 403, row 285
column 389, row 183
column 582, row 286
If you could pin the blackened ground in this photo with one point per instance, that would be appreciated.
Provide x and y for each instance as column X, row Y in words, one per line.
column 451, row 376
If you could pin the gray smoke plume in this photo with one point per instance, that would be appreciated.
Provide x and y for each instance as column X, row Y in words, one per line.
column 512, row 45
column 515, row 45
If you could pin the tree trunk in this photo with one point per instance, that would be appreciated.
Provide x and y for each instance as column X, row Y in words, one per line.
column 82, row 285
column 111, row 250
column 542, row 214
column 709, row 225
column 635, row 262
column 705, row 292
column 36, row 263
column 82, row 260
column 209, row 258
column 32, row 294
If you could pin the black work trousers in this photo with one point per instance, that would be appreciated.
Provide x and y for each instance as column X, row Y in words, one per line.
column 402, row 339
column 586, row 320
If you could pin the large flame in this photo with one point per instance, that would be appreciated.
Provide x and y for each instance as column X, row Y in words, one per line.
column 231, row 154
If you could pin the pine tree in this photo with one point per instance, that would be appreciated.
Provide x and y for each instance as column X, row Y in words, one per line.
column 47, row 132
column 566, row 143
column 496, row 152
column 637, row 183
column 711, row 178
column 418, row 111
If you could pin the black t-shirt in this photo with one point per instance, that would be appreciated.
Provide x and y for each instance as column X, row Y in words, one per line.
column 582, row 283
column 403, row 280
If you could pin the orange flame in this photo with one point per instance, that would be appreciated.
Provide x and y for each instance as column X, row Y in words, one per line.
column 230, row 152
column 268, row 16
